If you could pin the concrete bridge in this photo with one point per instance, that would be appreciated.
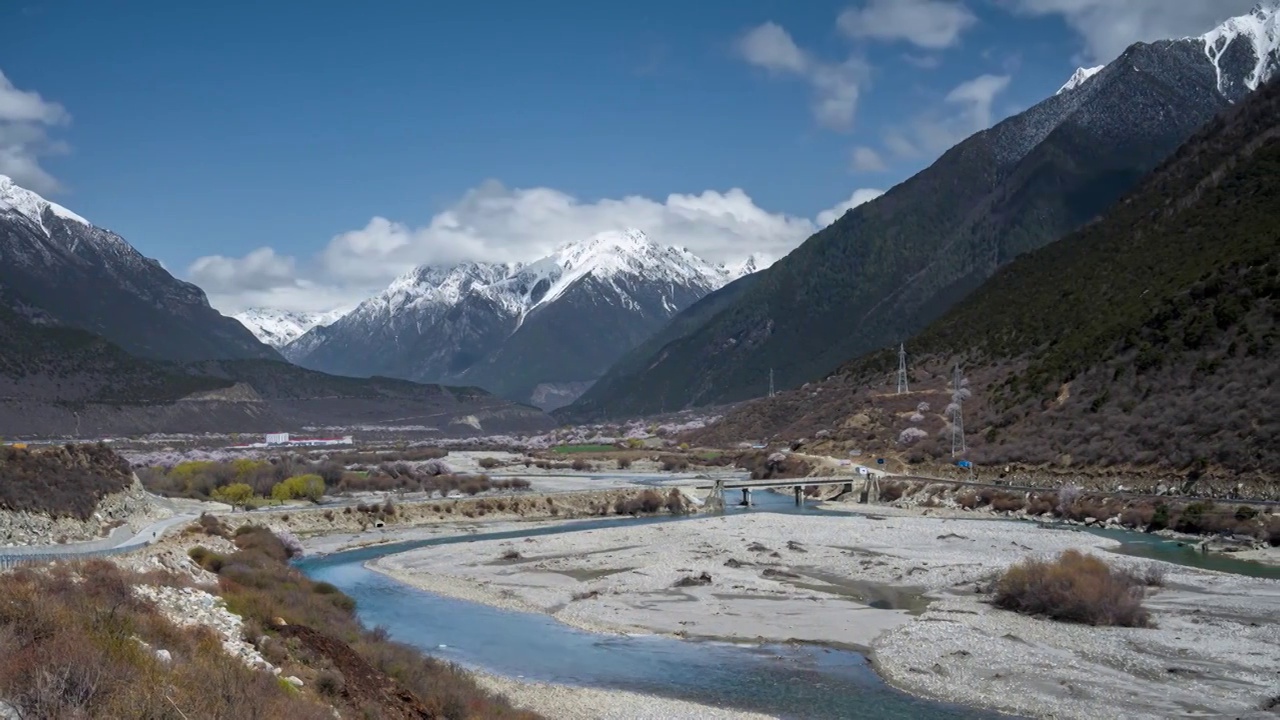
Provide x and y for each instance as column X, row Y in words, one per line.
column 868, row 485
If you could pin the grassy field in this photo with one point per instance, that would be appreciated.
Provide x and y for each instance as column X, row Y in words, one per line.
column 572, row 449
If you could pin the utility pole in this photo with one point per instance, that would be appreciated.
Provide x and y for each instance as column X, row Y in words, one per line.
column 957, row 413
column 770, row 382
column 902, row 368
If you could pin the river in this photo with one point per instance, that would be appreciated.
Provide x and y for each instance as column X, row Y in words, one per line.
column 789, row 681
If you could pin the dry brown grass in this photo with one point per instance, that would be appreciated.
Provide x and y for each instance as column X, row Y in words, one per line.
column 259, row 584
column 69, row 648
column 1074, row 587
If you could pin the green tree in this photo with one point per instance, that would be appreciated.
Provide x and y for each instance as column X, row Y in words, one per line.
column 235, row 494
column 309, row 486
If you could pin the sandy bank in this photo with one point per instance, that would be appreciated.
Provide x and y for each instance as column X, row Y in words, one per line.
column 865, row 581
column 574, row 703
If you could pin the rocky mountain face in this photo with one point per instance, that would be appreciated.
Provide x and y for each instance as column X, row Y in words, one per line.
column 278, row 328
column 887, row 268
column 538, row 332
column 83, row 276
column 1141, row 345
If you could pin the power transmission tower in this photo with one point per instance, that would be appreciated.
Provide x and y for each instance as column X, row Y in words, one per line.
column 770, row 382
column 957, row 413
column 902, row 369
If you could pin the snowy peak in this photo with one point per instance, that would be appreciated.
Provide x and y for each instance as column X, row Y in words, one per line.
column 278, row 328
column 1251, row 43
column 1079, row 78
column 755, row 262
column 14, row 198
column 608, row 255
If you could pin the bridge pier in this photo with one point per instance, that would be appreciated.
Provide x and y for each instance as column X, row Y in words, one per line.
column 715, row 500
column 799, row 496
column 746, row 497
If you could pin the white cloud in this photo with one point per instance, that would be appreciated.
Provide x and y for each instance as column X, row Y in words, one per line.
column 863, row 195
column 25, row 117
column 770, row 46
column 1107, row 27
column 932, row 24
column 494, row 223
column 836, row 86
column 865, row 159
column 966, row 109
column 261, row 269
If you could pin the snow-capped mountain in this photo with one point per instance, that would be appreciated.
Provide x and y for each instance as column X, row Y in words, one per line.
column 755, row 262
column 522, row 330
column 1244, row 52
column 81, row 275
column 278, row 328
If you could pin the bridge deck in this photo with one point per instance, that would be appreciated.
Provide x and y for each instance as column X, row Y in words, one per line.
column 783, row 483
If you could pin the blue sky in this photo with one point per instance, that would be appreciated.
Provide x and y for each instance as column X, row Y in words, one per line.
column 300, row 154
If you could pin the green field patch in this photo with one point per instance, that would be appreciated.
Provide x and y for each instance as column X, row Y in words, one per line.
column 570, row 449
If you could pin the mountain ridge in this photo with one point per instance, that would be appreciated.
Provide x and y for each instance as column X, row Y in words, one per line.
column 888, row 267
column 543, row 329
column 1140, row 345
column 85, row 276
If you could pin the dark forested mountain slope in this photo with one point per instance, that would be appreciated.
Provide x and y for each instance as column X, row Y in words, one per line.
column 889, row 267
column 1147, row 339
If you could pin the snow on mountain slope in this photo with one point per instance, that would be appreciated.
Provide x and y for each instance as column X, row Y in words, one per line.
column 755, row 262
column 278, row 328
column 1258, row 34
column 1078, row 78
column 452, row 323
column 32, row 206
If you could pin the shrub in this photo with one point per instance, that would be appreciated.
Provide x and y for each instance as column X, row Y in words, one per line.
column 308, row 486
column 624, row 463
column 1075, row 587
column 330, row 683
column 580, row 465
column 1008, row 502
column 489, row 463
column 235, row 494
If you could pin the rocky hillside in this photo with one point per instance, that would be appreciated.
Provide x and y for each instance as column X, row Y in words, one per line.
column 891, row 266
column 1145, row 342
column 83, row 276
column 544, row 330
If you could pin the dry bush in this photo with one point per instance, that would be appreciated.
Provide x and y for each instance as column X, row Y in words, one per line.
column 489, row 463
column 1074, row 587
column 259, row 584
column 624, row 463
column 891, row 491
column 674, row 463
column 1008, row 502
column 648, row 501
column 62, row 481
column 1042, row 504
column 71, row 647
column 1138, row 515
column 968, row 500
column 580, row 465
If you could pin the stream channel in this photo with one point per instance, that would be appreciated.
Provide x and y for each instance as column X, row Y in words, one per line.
column 804, row 682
